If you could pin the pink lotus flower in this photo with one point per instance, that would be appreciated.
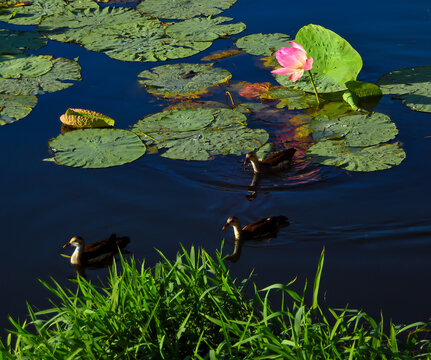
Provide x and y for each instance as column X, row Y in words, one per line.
column 293, row 61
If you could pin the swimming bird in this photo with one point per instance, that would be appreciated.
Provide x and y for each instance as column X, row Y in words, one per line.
column 95, row 252
column 261, row 229
column 278, row 161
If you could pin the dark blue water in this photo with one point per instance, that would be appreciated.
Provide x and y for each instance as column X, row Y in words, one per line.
column 376, row 227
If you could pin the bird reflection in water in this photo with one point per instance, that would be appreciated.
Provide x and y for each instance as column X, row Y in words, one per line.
column 96, row 255
column 262, row 229
column 271, row 165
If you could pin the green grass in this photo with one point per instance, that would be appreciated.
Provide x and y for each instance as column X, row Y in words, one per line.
column 191, row 308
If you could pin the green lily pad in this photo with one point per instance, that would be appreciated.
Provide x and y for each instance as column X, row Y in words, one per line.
column 140, row 42
column 81, row 118
column 203, row 29
column 362, row 94
column 199, row 134
column 263, row 44
column 96, row 148
column 355, row 130
column 187, row 80
column 372, row 158
column 292, row 98
column 15, row 67
column 335, row 61
column 14, row 42
column 14, row 108
column 58, row 78
column 34, row 13
column 73, row 26
column 413, row 85
column 183, row 9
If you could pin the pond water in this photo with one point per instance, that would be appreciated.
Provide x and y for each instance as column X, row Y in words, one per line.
column 376, row 226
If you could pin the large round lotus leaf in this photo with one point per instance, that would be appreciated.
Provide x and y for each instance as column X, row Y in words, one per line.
column 203, row 29
column 356, row 129
column 73, row 26
column 34, row 13
column 263, row 44
column 292, row 98
column 183, row 9
column 16, row 67
column 372, row 158
column 335, row 61
column 81, row 118
column 188, row 80
column 140, row 42
column 199, row 134
column 13, row 108
column 96, row 148
column 54, row 80
column 13, row 41
column 412, row 84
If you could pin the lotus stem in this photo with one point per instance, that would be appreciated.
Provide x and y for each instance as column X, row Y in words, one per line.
column 227, row 96
column 314, row 87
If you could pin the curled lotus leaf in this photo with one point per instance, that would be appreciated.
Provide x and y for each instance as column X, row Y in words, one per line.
column 73, row 26
column 203, row 29
column 57, row 78
column 411, row 85
column 183, row 9
column 199, row 134
column 144, row 41
column 81, row 118
column 262, row 44
column 335, row 60
column 182, row 80
column 14, row 41
column 222, row 54
column 293, row 99
column 371, row 158
column 34, row 13
column 96, row 148
column 355, row 129
column 18, row 66
column 14, row 108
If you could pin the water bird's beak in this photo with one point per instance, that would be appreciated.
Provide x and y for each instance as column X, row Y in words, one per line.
column 66, row 245
column 225, row 226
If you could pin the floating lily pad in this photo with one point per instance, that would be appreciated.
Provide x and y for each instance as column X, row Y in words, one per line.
column 413, row 85
column 372, row 158
column 73, row 26
column 263, row 44
column 96, row 148
column 14, row 108
column 14, row 42
column 292, row 98
column 188, row 80
column 34, row 13
column 335, row 61
column 183, row 9
column 356, row 130
column 16, row 67
column 203, row 29
column 140, row 42
column 58, row 78
column 199, row 134
column 81, row 118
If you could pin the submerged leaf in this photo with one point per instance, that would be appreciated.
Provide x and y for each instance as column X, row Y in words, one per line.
column 372, row 158
column 96, row 148
column 199, row 134
column 140, row 42
column 262, row 44
column 252, row 91
column 222, row 54
column 14, row 108
column 81, row 118
column 203, row 29
column 182, row 80
column 335, row 61
column 183, row 9
column 413, row 85
column 14, row 42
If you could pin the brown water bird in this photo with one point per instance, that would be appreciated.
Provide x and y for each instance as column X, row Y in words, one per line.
column 95, row 252
column 276, row 162
column 261, row 229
